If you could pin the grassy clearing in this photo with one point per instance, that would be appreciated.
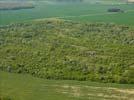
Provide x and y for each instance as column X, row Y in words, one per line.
column 26, row 87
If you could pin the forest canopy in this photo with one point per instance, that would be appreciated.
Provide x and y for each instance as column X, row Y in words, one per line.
column 60, row 49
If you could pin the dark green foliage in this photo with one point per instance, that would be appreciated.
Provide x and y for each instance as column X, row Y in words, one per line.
column 58, row 49
column 5, row 98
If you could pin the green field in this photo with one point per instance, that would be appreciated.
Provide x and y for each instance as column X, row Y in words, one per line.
column 26, row 87
column 86, row 11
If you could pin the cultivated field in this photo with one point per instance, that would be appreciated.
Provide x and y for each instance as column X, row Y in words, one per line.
column 89, row 10
column 25, row 87
column 15, row 5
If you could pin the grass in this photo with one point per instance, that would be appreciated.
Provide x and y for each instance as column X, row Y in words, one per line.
column 26, row 87
column 51, row 9
column 107, row 17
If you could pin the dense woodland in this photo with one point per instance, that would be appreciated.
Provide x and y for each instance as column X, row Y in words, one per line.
column 58, row 49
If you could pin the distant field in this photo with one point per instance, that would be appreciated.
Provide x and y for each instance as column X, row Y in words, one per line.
column 26, row 87
column 92, row 11
column 15, row 5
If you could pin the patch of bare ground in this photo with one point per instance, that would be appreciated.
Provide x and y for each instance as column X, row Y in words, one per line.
column 72, row 90
column 92, row 91
column 126, row 91
column 106, row 96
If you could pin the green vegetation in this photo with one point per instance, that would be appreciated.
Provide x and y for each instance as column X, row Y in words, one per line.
column 59, row 49
column 25, row 87
column 5, row 98
column 89, row 10
column 62, row 49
